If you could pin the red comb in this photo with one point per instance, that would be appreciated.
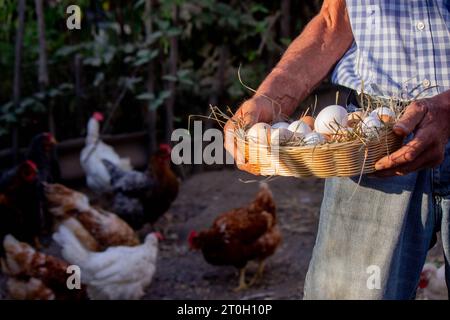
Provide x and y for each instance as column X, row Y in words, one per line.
column 191, row 237
column 98, row 116
column 159, row 236
column 32, row 165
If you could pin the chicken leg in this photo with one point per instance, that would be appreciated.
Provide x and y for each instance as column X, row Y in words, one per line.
column 259, row 273
column 242, row 284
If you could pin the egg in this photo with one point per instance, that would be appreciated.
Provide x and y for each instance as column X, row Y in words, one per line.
column 385, row 114
column 259, row 133
column 281, row 136
column 354, row 118
column 370, row 125
column 313, row 138
column 299, row 127
column 330, row 119
column 279, row 125
column 309, row 121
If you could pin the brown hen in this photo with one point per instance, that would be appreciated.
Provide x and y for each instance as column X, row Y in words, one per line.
column 241, row 235
column 105, row 227
column 23, row 262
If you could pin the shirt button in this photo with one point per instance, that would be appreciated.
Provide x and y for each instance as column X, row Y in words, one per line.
column 420, row 25
column 426, row 83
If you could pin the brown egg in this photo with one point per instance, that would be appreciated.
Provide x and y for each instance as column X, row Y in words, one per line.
column 354, row 118
column 328, row 137
column 309, row 121
column 387, row 119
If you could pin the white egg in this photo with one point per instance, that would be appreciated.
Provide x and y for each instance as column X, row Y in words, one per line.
column 330, row 119
column 370, row 125
column 385, row 114
column 259, row 133
column 313, row 138
column 299, row 127
column 279, row 125
column 282, row 135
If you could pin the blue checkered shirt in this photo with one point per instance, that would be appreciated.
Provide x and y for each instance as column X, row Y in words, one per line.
column 401, row 48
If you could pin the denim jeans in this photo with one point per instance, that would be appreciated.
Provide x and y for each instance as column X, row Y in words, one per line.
column 381, row 227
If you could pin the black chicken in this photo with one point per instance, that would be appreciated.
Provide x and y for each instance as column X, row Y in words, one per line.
column 20, row 203
column 42, row 151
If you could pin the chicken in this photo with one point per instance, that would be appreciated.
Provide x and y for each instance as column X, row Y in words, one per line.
column 97, row 177
column 30, row 289
column 42, row 151
column 158, row 200
column 432, row 282
column 141, row 198
column 24, row 262
column 20, row 203
column 118, row 273
column 105, row 227
column 241, row 235
column 129, row 188
column 88, row 241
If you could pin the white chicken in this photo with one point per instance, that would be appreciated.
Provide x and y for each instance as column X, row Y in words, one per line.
column 117, row 273
column 432, row 282
column 97, row 176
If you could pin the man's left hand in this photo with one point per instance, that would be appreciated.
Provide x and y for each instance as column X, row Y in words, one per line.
column 429, row 120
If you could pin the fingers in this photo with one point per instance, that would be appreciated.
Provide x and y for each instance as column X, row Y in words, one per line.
column 426, row 160
column 411, row 118
column 405, row 154
column 231, row 145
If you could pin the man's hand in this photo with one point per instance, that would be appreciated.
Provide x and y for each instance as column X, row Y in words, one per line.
column 257, row 109
column 429, row 120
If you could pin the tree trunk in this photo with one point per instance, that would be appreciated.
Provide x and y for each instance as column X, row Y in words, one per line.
column 78, row 93
column 43, row 64
column 17, row 75
column 173, row 59
column 217, row 91
column 285, row 19
column 151, row 113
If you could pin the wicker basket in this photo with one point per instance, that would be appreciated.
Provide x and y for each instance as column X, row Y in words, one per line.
column 344, row 159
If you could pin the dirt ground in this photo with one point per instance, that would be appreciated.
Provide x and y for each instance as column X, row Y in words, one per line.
column 183, row 274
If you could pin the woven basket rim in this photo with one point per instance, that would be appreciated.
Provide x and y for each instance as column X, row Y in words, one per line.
column 326, row 146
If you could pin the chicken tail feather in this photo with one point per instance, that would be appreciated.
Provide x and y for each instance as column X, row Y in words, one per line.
column 72, row 249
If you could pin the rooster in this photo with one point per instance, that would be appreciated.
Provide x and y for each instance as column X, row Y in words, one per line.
column 24, row 262
column 432, row 282
column 118, row 273
column 241, row 235
column 20, row 203
column 105, row 227
column 140, row 197
column 97, row 177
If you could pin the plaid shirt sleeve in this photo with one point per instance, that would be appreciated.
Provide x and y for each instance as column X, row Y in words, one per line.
column 401, row 48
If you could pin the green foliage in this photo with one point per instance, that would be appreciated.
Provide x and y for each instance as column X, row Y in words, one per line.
column 115, row 54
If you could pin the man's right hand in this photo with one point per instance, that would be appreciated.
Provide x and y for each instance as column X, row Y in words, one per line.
column 257, row 109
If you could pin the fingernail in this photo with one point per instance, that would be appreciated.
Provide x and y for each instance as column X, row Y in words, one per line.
column 379, row 166
column 401, row 127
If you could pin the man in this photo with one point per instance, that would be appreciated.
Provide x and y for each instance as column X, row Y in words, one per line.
column 372, row 244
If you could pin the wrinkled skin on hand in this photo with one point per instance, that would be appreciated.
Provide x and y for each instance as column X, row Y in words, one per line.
column 429, row 121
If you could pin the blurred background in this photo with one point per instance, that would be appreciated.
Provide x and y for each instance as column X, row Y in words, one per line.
column 147, row 65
